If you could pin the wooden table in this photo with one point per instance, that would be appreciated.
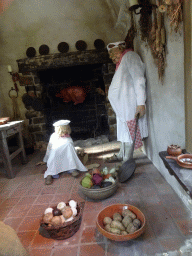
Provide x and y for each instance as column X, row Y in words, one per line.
column 7, row 130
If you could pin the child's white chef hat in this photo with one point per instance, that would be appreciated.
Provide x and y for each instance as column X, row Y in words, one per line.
column 115, row 45
column 61, row 122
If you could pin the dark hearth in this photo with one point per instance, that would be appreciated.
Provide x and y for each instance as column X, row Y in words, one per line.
column 75, row 93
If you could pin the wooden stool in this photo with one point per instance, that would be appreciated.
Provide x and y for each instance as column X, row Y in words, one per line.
column 7, row 130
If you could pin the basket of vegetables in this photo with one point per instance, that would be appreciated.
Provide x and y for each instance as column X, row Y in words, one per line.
column 99, row 184
column 121, row 222
column 61, row 221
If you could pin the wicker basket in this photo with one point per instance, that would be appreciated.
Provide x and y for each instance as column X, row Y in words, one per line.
column 64, row 231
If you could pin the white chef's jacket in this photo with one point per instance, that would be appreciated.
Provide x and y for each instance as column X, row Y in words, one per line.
column 126, row 92
column 61, row 156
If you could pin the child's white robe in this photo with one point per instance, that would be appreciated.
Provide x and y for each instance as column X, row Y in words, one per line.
column 61, row 156
column 126, row 92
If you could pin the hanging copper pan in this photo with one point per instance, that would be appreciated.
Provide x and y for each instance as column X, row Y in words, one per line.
column 184, row 160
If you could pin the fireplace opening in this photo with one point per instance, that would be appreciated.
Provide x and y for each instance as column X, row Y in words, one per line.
column 75, row 93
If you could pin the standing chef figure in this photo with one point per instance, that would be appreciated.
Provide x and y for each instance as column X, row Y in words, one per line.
column 61, row 155
column 127, row 97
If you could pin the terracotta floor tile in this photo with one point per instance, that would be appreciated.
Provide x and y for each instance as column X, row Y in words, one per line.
column 41, row 252
column 150, row 248
column 169, row 199
column 152, row 200
column 56, row 183
column 42, row 242
column 26, row 237
column 63, row 189
column 10, row 185
column 67, row 181
column 34, row 191
column 89, row 218
column 92, row 250
column 164, row 188
column 121, row 248
column 48, row 190
column 4, row 212
column 65, row 251
column 90, row 205
column 19, row 210
column 111, row 200
column 13, row 222
column 44, row 199
column 24, row 185
column 157, row 213
column 29, row 224
column 60, row 198
column 6, row 194
column 167, row 219
column 27, row 200
column 10, row 202
column 171, row 244
column 18, row 193
column 81, row 195
column 39, row 183
column 91, row 235
column 166, row 229
column 178, row 210
column 185, row 226
column 147, row 191
column 37, row 210
column 73, row 240
column 77, row 197
column 134, row 200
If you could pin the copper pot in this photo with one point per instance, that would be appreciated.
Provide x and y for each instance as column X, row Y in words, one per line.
column 174, row 150
column 184, row 160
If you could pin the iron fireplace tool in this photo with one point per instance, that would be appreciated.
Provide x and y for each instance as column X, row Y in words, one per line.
column 128, row 167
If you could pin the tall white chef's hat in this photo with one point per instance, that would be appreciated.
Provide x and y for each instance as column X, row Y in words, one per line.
column 61, row 122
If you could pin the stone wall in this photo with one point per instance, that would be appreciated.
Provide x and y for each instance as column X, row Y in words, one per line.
column 108, row 75
column 28, row 69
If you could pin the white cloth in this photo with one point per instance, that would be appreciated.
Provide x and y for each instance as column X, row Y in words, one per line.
column 61, row 156
column 126, row 92
column 115, row 45
column 125, row 150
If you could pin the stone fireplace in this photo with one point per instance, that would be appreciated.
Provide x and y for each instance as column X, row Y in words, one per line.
column 47, row 78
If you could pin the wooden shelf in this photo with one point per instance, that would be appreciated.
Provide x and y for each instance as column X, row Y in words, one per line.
column 183, row 175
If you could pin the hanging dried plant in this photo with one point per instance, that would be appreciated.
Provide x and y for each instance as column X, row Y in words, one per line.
column 157, row 42
column 131, row 34
column 145, row 21
column 175, row 14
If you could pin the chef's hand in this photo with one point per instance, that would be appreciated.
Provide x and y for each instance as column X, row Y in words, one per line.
column 140, row 110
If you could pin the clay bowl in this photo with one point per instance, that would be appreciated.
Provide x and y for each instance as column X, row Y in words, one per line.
column 184, row 160
column 101, row 193
column 109, row 211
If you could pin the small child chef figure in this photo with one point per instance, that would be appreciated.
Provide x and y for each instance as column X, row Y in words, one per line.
column 61, row 155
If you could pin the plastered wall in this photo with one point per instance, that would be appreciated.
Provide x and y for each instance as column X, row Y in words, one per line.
column 166, row 104
column 188, row 73
column 28, row 23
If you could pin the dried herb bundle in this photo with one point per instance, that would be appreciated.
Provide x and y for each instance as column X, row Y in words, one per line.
column 132, row 32
column 145, row 22
column 157, row 42
column 175, row 14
